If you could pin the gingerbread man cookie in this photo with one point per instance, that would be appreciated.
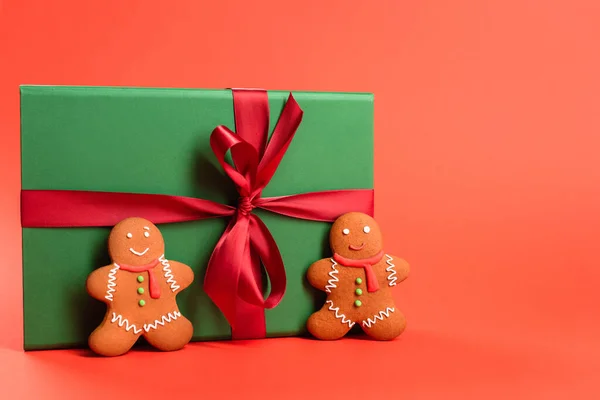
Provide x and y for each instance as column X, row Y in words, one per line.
column 139, row 289
column 358, row 280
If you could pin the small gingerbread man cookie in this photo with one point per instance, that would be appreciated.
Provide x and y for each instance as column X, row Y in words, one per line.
column 139, row 289
column 358, row 281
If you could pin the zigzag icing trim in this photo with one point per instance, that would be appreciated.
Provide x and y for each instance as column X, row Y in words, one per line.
column 338, row 315
column 165, row 319
column 369, row 322
column 123, row 321
column 333, row 274
column 168, row 273
column 110, row 286
column 392, row 271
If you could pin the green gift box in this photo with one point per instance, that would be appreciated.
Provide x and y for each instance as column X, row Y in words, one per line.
column 147, row 141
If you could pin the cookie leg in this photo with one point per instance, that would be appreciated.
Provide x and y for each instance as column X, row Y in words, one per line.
column 109, row 339
column 386, row 325
column 329, row 323
column 171, row 336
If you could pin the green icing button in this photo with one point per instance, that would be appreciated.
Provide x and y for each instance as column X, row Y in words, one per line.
column 358, row 281
column 358, row 303
column 358, row 292
column 141, row 290
column 140, row 279
column 142, row 303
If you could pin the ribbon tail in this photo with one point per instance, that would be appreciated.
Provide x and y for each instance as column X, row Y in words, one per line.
column 223, row 271
column 250, row 281
column 266, row 248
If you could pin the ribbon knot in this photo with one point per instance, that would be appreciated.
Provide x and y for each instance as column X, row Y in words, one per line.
column 245, row 205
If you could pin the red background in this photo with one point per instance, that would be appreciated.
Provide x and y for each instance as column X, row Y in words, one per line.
column 487, row 182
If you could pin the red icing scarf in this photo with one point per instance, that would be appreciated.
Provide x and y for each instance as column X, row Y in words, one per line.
column 153, row 283
column 367, row 264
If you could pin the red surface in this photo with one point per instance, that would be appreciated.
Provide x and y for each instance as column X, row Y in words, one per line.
column 487, row 182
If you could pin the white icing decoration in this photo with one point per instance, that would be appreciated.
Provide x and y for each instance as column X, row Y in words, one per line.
column 146, row 228
column 138, row 253
column 369, row 322
column 164, row 319
column 110, row 286
column 129, row 235
column 338, row 315
column 168, row 273
column 366, row 229
column 146, row 234
column 123, row 321
column 346, row 231
column 333, row 274
column 392, row 271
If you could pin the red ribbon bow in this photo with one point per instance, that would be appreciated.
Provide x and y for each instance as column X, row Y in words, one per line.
column 232, row 278
column 233, row 266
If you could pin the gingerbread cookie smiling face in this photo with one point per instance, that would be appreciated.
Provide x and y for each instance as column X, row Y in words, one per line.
column 139, row 289
column 135, row 241
column 358, row 280
column 355, row 235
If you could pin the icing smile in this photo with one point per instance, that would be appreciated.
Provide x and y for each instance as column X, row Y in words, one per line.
column 137, row 253
column 356, row 248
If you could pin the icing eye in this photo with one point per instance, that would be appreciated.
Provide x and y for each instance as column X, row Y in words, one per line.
column 366, row 229
column 147, row 234
column 129, row 235
column 346, row 231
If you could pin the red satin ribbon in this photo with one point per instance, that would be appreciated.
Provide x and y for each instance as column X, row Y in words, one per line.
column 233, row 276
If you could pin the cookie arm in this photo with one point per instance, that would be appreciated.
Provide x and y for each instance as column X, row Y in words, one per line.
column 182, row 274
column 318, row 273
column 97, row 284
column 401, row 267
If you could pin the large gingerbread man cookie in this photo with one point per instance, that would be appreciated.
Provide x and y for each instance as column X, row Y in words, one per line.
column 358, row 280
column 139, row 289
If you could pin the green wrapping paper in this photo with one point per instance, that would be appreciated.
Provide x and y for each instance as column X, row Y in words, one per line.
column 145, row 140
